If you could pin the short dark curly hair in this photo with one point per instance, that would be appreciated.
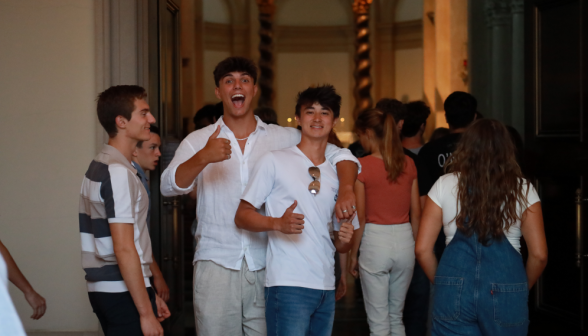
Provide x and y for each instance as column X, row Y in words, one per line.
column 460, row 109
column 325, row 95
column 417, row 114
column 117, row 101
column 235, row 64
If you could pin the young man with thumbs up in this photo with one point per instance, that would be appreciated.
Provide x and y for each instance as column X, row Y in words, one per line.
column 299, row 188
column 230, row 262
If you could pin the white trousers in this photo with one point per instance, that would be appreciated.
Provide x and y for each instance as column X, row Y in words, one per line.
column 228, row 302
column 386, row 263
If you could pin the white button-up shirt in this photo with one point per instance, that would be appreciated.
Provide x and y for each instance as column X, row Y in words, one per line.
column 220, row 186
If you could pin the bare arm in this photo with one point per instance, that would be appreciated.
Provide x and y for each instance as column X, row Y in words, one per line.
column 347, row 173
column 360, row 195
column 534, row 233
column 430, row 226
column 344, row 237
column 415, row 208
column 159, row 281
column 130, row 268
column 249, row 219
column 216, row 150
column 342, row 289
column 36, row 301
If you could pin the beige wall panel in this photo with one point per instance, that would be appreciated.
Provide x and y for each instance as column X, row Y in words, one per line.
column 216, row 11
column 409, row 74
column 47, row 108
column 407, row 10
column 297, row 71
column 211, row 59
column 313, row 12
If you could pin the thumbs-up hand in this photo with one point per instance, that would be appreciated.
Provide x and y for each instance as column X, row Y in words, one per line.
column 217, row 149
column 346, row 231
column 290, row 222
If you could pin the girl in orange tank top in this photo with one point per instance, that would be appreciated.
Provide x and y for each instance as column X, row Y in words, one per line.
column 389, row 211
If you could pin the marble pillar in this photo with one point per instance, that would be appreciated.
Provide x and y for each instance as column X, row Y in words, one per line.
column 518, row 61
column 499, row 21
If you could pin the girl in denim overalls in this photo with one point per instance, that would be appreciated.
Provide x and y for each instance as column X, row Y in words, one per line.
column 484, row 204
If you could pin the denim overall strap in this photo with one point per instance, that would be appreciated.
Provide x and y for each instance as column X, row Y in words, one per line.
column 480, row 290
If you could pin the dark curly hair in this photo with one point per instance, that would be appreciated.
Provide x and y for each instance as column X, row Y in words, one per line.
column 235, row 64
column 325, row 95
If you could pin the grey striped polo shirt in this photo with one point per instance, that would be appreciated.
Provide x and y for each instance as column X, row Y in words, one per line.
column 111, row 193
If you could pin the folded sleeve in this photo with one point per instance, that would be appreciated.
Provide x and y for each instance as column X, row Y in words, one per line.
column 436, row 192
column 261, row 183
column 532, row 195
column 188, row 147
column 335, row 155
column 118, row 195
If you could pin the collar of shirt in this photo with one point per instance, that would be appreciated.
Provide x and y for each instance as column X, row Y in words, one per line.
column 261, row 126
column 140, row 171
column 118, row 157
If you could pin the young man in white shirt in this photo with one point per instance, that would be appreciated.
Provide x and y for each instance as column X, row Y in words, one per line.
column 218, row 159
column 116, row 247
column 299, row 189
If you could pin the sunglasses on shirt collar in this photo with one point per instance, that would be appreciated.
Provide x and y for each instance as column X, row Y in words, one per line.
column 315, row 186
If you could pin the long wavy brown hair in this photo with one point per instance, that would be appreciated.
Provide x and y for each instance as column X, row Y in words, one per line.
column 385, row 130
column 490, row 183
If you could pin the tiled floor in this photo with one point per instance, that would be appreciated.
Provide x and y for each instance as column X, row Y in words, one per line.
column 350, row 317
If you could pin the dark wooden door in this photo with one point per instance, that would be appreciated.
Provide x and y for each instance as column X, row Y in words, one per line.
column 164, row 98
column 556, row 153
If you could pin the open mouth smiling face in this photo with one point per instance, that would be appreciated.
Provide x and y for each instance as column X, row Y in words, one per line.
column 238, row 100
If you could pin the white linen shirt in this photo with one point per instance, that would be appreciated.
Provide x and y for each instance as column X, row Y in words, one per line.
column 220, row 186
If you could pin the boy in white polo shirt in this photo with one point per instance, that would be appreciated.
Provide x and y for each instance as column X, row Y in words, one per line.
column 299, row 188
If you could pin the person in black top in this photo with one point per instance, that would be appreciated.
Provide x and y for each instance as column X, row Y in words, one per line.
column 460, row 111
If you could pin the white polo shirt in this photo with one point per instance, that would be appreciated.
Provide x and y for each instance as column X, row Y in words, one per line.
column 301, row 260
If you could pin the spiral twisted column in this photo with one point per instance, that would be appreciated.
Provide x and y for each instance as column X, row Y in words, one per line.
column 363, row 64
column 266, row 50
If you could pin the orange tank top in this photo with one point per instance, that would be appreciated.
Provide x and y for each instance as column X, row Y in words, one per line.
column 386, row 202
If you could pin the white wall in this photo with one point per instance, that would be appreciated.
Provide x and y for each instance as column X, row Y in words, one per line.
column 47, row 135
column 211, row 59
column 295, row 72
column 216, row 11
column 409, row 74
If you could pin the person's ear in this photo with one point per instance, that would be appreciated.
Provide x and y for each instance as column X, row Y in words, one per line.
column 254, row 89
column 121, row 122
column 400, row 124
column 217, row 93
column 423, row 126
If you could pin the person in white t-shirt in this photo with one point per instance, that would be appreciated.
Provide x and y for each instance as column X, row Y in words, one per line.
column 299, row 188
column 484, row 206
